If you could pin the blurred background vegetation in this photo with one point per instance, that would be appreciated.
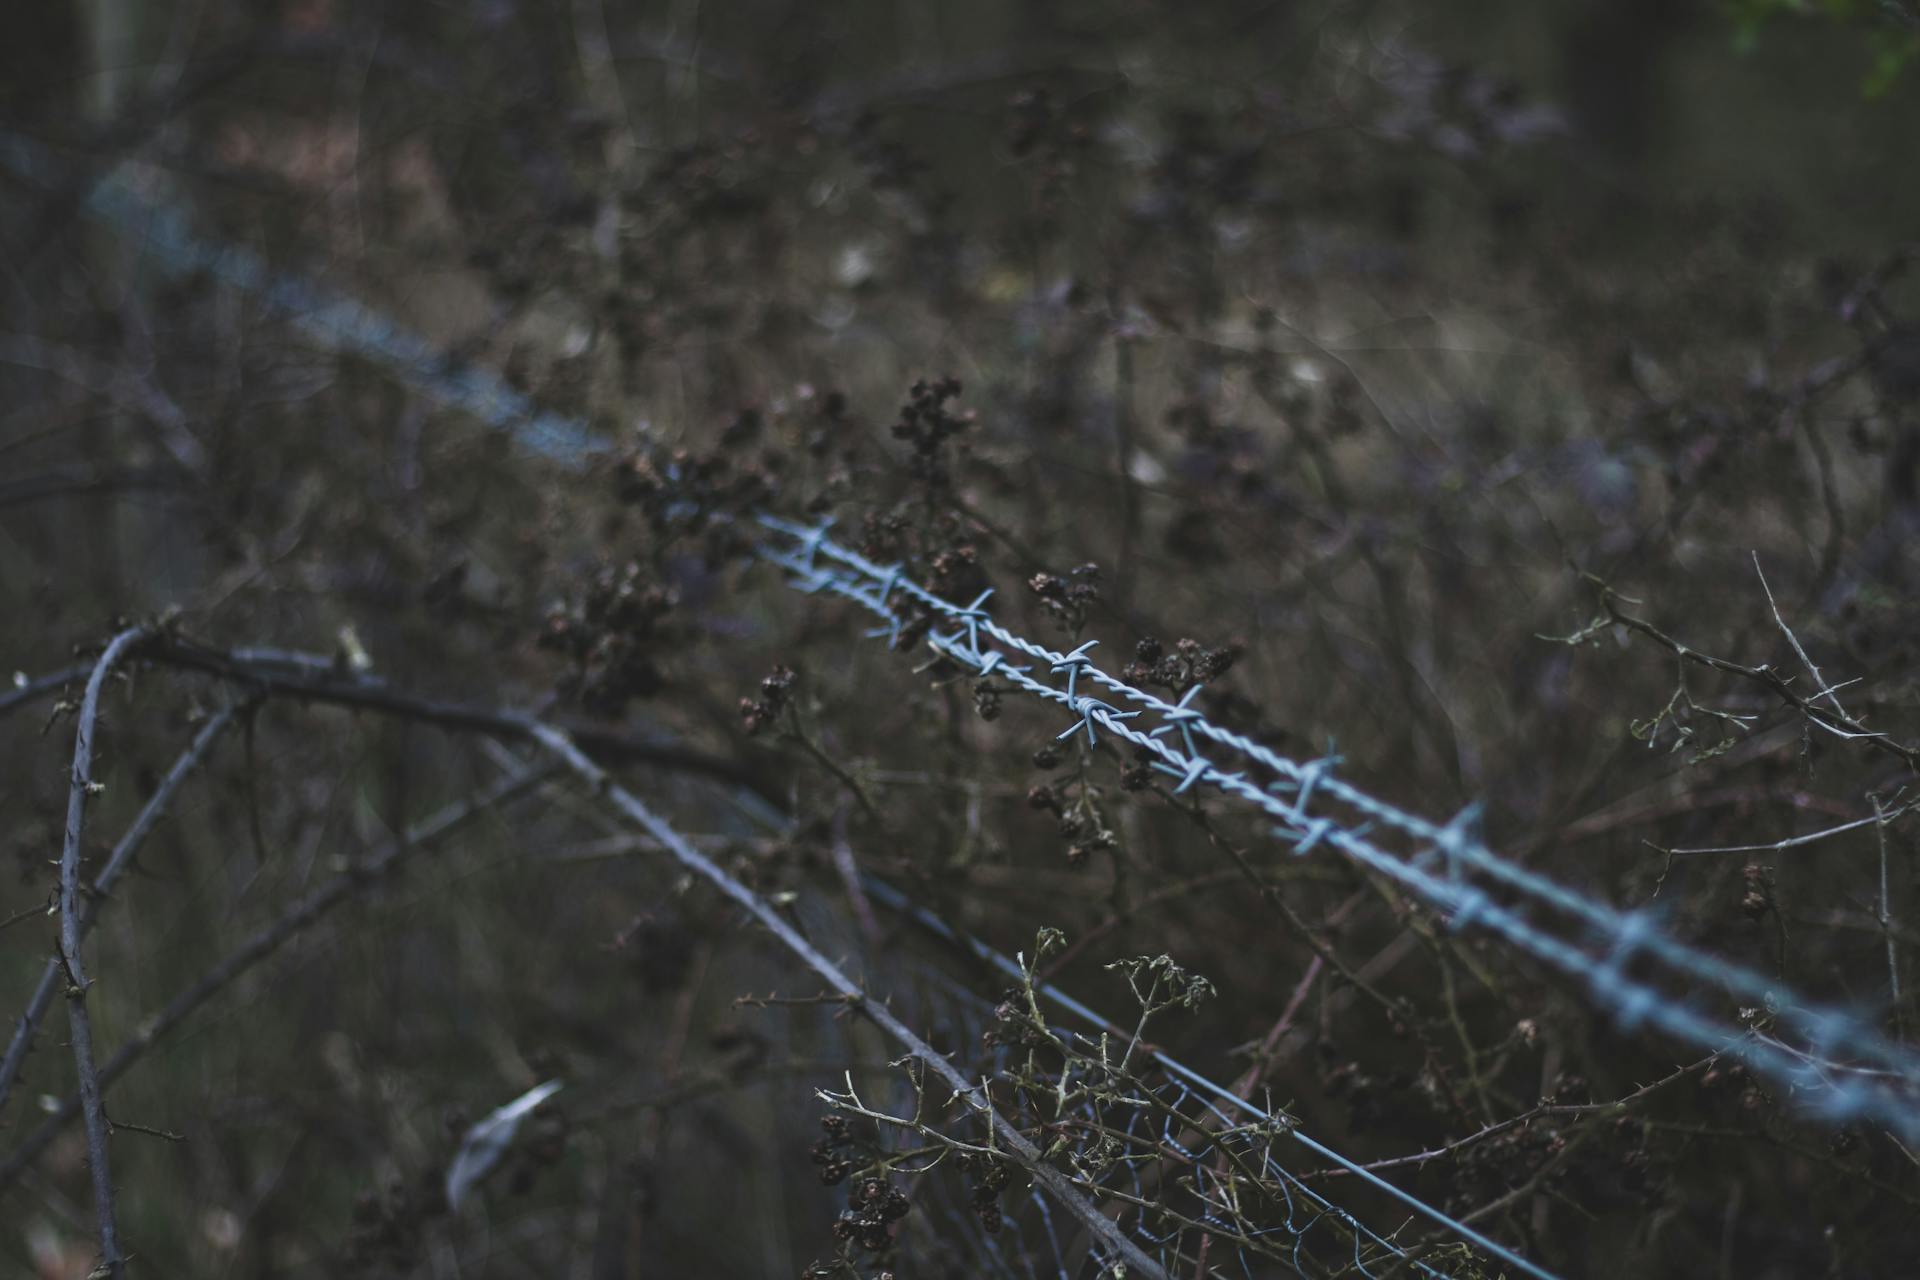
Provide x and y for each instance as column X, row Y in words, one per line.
column 1350, row 343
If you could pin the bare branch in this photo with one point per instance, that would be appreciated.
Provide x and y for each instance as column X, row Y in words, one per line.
column 315, row 678
column 264, row 943
column 1057, row 1184
column 26, row 690
column 1819, row 681
column 119, row 385
column 81, row 785
column 318, row 678
column 122, row 855
column 1791, row 842
column 1833, row 722
column 1885, row 915
column 1616, row 1107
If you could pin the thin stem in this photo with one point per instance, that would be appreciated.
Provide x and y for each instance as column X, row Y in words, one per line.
column 1880, row 818
column 81, row 785
column 122, row 855
column 26, row 691
column 1123, row 453
column 1819, row 681
column 1057, row 1184
column 310, row 676
column 264, row 943
column 1574, row 1109
column 1841, row 726
column 796, row 733
column 1885, row 917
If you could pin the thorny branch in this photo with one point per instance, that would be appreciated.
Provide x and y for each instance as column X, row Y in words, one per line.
column 1835, row 722
column 264, row 942
column 81, row 786
column 121, row 857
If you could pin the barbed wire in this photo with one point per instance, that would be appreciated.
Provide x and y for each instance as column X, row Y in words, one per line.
column 1845, row 1092
column 164, row 232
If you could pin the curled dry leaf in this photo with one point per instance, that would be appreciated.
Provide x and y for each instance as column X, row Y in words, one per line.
column 488, row 1140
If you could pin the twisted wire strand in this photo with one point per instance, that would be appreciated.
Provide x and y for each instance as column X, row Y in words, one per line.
column 1453, row 840
column 163, row 232
column 1847, row 1095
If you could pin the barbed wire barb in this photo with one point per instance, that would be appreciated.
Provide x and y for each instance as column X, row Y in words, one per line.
column 1631, row 1001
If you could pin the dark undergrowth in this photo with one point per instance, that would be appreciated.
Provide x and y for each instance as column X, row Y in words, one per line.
column 1540, row 458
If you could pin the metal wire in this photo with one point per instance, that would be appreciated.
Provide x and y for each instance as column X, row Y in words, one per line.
column 1434, row 874
column 1209, row 1093
column 1365, row 1247
column 164, row 232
